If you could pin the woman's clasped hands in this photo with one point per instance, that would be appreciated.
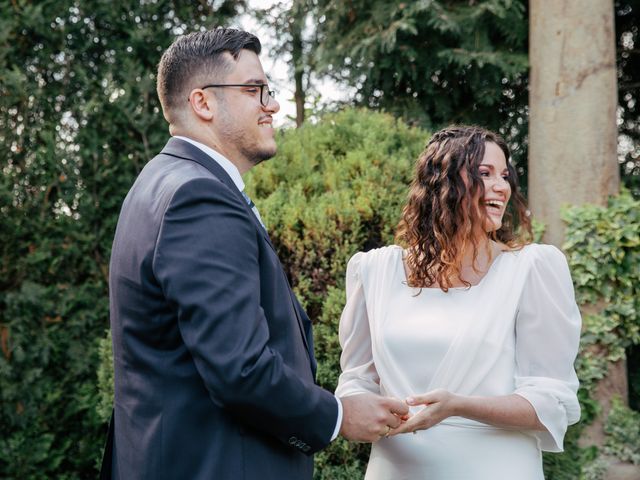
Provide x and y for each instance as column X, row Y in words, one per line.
column 437, row 405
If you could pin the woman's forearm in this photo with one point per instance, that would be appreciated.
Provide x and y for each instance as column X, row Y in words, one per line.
column 507, row 411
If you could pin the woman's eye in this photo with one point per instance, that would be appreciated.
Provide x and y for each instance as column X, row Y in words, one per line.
column 252, row 90
column 484, row 174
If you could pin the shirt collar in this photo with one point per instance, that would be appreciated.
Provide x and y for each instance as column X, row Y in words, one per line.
column 220, row 159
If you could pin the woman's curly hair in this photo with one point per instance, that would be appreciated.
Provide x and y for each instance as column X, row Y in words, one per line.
column 443, row 213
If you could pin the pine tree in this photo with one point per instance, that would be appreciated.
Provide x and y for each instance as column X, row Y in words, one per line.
column 432, row 62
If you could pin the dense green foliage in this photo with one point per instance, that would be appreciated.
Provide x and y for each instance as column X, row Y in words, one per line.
column 434, row 62
column 333, row 189
column 78, row 118
column 623, row 433
column 603, row 248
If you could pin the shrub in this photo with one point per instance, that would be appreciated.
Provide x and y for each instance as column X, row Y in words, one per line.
column 623, row 433
column 603, row 250
column 334, row 188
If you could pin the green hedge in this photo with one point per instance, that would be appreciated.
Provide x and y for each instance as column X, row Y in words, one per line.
column 79, row 117
column 603, row 248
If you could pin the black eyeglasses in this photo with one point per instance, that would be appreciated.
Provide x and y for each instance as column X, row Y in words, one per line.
column 265, row 94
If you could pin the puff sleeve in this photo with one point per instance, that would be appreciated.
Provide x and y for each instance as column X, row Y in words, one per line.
column 359, row 373
column 547, row 336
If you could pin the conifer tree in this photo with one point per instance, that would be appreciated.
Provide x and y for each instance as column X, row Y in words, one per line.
column 432, row 62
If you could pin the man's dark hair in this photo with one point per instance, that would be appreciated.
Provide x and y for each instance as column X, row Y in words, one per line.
column 196, row 59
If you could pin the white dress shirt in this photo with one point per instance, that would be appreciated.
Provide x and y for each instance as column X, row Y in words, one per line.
column 234, row 173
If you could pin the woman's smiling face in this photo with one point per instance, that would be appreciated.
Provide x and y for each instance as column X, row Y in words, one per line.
column 497, row 191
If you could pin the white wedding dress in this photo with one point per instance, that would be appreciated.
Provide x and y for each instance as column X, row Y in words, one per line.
column 517, row 331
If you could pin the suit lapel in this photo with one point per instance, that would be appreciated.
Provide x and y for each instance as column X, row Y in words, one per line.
column 186, row 151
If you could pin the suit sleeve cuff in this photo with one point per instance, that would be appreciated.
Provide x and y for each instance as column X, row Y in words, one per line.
column 336, row 430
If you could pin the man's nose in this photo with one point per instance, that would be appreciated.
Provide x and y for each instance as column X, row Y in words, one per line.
column 273, row 106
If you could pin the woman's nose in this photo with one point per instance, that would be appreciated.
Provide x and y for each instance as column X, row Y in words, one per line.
column 500, row 184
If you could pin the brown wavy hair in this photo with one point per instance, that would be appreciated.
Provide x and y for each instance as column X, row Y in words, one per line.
column 443, row 214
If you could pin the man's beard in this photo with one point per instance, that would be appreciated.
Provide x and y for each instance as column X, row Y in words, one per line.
column 259, row 156
column 249, row 150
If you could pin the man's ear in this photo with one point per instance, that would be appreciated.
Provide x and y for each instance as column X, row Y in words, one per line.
column 202, row 104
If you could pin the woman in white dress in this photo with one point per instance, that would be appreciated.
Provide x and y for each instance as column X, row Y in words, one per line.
column 475, row 327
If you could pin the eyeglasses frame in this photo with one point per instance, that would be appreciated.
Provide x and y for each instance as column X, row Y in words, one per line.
column 270, row 93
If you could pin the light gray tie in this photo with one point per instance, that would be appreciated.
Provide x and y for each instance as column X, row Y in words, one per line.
column 254, row 209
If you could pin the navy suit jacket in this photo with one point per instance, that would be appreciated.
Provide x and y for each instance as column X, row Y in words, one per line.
column 213, row 355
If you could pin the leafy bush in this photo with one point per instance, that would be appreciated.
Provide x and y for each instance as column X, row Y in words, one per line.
column 333, row 189
column 603, row 249
column 623, row 433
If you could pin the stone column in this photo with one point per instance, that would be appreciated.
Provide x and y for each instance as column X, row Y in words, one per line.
column 572, row 102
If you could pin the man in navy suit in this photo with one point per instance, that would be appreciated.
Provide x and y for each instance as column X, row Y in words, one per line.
column 213, row 355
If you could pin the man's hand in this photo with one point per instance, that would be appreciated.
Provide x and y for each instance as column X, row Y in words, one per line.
column 368, row 417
